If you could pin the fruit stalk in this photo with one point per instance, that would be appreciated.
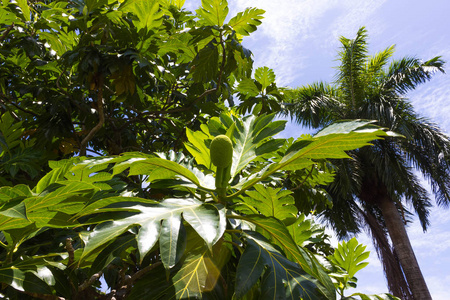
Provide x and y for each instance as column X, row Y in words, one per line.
column 221, row 151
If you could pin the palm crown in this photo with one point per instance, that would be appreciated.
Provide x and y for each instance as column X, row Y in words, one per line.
column 382, row 176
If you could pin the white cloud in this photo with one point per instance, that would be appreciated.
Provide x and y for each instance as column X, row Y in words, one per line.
column 291, row 28
column 432, row 100
column 355, row 14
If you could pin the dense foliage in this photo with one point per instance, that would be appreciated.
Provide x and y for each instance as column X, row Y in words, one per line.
column 145, row 86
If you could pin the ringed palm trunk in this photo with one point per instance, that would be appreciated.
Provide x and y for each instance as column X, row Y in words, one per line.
column 402, row 246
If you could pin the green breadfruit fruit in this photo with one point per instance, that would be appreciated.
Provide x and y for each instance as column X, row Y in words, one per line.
column 221, row 151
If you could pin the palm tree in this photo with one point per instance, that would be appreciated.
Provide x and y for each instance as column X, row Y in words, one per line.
column 373, row 190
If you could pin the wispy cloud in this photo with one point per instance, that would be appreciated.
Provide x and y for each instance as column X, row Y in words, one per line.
column 291, row 28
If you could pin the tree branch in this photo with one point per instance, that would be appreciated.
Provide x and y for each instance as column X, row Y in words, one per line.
column 141, row 273
column 304, row 180
column 90, row 281
column 6, row 32
column 11, row 101
column 70, row 251
column 122, row 292
column 101, row 117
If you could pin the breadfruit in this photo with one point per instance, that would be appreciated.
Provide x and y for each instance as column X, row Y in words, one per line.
column 221, row 151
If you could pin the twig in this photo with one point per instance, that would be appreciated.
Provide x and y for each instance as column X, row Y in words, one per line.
column 224, row 59
column 95, row 152
column 181, row 109
column 90, row 281
column 304, row 180
column 141, row 273
column 6, row 32
column 10, row 101
column 71, row 252
column 101, row 119
column 57, row 83
column 122, row 292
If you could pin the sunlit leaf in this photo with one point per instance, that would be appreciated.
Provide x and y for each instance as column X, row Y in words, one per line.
column 23, row 4
column 172, row 241
column 197, row 147
column 23, row 280
column 272, row 202
column 350, row 256
column 148, row 13
column 197, row 272
column 245, row 22
column 329, row 143
column 204, row 218
column 264, row 76
column 250, row 135
column 213, row 12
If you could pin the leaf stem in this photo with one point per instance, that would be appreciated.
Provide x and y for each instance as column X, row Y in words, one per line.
column 3, row 245
column 304, row 180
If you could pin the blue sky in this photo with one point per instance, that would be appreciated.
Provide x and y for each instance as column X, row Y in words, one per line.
column 299, row 40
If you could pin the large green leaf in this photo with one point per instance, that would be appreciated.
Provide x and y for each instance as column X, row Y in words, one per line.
column 10, row 133
column 197, row 272
column 172, row 240
column 6, row 17
column 264, row 76
column 277, row 232
column 272, row 202
column 23, row 4
column 304, row 230
column 248, row 87
column 57, row 173
column 197, row 147
column 206, row 181
column 63, row 191
column 14, row 209
column 282, row 279
column 204, row 218
column 24, row 281
column 52, row 208
column 331, row 142
column 350, row 256
column 213, row 12
column 251, row 139
column 107, row 204
column 111, row 252
column 8, row 193
column 155, row 167
column 205, row 65
column 245, row 22
column 148, row 13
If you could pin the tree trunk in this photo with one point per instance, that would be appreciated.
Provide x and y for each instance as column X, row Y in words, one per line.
column 402, row 246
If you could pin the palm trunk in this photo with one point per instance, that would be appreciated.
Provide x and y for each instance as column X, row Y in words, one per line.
column 403, row 248
column 396, row 281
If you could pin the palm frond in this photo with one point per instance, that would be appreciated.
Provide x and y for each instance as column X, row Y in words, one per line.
column 344, row 216
column 387, row 168
column 313, row 105
column 406, row 74
column 353, row 56
column 377, row 62
column 428, row 149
